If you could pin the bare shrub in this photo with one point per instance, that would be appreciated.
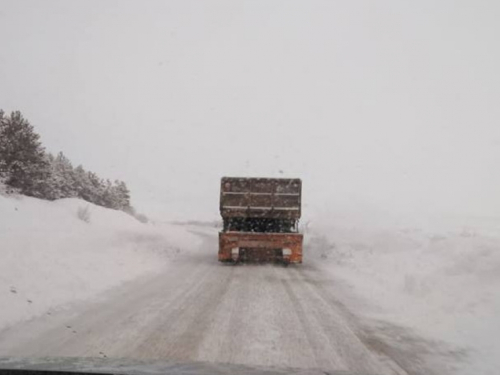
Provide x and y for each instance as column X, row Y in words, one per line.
column 84, row 214
column 142, row 218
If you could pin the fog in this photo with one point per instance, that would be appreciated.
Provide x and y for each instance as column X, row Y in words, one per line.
column 392, row 106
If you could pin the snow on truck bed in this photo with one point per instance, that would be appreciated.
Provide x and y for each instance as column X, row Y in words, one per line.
column 50, row 257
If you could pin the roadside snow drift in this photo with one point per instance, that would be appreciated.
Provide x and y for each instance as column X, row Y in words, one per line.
column 57, row 252
column 443, row 283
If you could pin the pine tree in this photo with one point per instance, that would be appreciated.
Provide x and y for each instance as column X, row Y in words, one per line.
column 51, row 189
column 96, row 189
column 122, row 195
column 3, row 166
column 64, row 176
column 108, row 195
column 22, row 157
column 83, row 184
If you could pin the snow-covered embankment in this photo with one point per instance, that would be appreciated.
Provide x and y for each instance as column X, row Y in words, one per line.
column 53, row 253
column 441, row 280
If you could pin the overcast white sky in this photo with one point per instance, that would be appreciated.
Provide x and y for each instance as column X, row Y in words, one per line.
column 392, row 103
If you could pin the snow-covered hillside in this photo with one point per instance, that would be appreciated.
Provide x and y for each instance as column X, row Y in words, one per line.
column 49, row 256
column 444, row 283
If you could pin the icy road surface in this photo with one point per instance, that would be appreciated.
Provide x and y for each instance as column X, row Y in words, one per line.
column 200, row 310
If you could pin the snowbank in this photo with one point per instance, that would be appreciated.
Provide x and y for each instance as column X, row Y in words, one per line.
column 50, row 256
column 443, row 283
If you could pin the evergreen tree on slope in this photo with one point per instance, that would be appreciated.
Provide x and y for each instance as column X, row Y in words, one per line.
column 22, row 158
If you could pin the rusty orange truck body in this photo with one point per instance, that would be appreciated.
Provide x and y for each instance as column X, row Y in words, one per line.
column 260, row 218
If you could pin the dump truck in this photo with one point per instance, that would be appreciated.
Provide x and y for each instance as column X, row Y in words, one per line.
column 260, row 220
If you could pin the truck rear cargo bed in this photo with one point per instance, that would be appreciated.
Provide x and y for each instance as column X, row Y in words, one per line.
column 270, row 198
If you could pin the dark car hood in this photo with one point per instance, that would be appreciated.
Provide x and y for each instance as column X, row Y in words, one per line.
column 92, row 366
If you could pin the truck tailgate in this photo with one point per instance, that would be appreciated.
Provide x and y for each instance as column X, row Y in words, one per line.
column 261, row 246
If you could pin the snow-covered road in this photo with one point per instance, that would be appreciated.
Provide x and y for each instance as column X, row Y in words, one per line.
column 200, row 310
